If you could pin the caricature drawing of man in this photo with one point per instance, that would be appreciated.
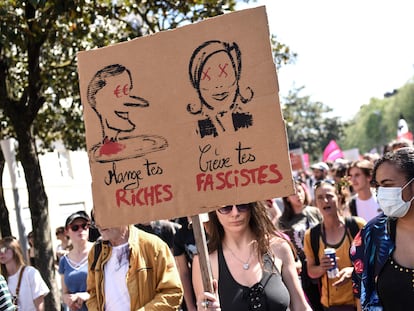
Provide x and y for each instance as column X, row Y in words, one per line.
column 113, row 86
column 115, row 82
column 215, row 72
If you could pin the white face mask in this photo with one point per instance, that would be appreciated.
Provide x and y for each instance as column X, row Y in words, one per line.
column 391, row 202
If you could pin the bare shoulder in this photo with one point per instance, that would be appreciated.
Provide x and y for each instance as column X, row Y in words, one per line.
column 280, row 247
column 213, row 259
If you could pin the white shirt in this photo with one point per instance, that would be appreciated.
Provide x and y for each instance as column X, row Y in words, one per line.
column 32, row 286
column 367, row 209
column 115, row 274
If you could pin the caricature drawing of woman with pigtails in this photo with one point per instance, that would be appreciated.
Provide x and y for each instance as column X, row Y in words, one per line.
column 215, row 72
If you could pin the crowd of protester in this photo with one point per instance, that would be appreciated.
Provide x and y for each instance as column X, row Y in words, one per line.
column 264, row 255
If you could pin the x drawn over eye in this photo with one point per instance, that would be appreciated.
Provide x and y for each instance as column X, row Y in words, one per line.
column 223, row 70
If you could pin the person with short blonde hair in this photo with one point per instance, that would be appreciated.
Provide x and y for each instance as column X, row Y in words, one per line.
column 364, row 203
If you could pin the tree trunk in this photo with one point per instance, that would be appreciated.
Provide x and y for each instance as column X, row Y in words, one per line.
column 38, row 204
column 5, row 229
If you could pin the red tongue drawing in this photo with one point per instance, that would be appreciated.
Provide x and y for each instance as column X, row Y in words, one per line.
column 110, row 147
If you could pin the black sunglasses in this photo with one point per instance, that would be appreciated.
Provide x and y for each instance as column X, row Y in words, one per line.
column 75, row 228
column 228, row 208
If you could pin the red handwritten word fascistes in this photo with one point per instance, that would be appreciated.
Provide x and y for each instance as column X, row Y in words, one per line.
column 239, row 178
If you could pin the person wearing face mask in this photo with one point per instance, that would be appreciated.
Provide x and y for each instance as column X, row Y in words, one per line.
column 383, row 252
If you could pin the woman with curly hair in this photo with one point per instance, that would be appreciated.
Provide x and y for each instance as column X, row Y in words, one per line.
column 383, row 252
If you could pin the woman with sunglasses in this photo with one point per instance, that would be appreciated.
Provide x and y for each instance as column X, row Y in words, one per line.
column 253, row 266
column 73, row 266
column 383, row 253
column 25, row 282
column 334, row 232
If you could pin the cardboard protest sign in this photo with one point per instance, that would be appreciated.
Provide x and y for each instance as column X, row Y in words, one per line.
column 182, row 121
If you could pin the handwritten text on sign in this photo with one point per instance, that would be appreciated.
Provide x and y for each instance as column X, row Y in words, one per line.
column 162, row 148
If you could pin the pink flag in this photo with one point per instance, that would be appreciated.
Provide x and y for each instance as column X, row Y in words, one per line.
column 332, row 152
column 306, row 161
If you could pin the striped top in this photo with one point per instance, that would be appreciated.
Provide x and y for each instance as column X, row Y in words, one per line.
column 6, row 303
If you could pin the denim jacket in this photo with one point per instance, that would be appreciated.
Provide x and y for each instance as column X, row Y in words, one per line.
column 369, row 252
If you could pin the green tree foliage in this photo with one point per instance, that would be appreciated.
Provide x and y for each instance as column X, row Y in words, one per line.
column 309, row 125
column 39, row 92
column 375, row 125
column 282, row 53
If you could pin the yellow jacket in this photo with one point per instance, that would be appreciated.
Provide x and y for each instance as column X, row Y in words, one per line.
column 152, row 279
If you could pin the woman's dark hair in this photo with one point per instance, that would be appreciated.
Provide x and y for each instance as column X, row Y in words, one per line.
column 402, row 159
column 60, row 230
column 199, row 58
column 341, row 190
column 260, row 224
column 288, row 212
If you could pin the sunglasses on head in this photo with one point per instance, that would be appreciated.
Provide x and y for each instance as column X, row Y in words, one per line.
column 3, row 250
column 325, row 181
column 75, row 228
column 228, row 208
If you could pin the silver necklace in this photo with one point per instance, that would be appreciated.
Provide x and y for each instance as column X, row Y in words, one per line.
column 75, row 264
column 246, row 264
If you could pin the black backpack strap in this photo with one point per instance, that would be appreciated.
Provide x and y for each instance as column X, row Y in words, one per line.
column 392, row 227
column 352, row 207
column 352, row 226
column 315, row 233
column 98, row 249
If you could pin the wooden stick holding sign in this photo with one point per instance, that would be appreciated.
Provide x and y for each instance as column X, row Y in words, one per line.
column 201, row 243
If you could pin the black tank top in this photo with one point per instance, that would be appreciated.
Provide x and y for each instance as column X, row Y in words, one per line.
column 395, row 286
column 269, row 294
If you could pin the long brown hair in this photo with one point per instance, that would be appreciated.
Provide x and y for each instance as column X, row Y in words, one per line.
column 260, row 224
column 288, row 212
column 13, row 244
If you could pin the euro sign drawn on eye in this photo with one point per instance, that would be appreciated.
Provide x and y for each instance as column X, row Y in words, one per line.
column 115, row 82
column 183, row 121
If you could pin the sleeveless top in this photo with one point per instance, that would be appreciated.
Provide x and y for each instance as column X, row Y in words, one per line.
column 395, row 284
column 268, row 294
column 396, row 287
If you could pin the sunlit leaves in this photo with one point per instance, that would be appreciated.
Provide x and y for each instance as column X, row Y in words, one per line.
column 53, row 32
column 308, row 123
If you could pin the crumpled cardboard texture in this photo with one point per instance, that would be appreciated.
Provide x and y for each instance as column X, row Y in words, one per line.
column 183, row 121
